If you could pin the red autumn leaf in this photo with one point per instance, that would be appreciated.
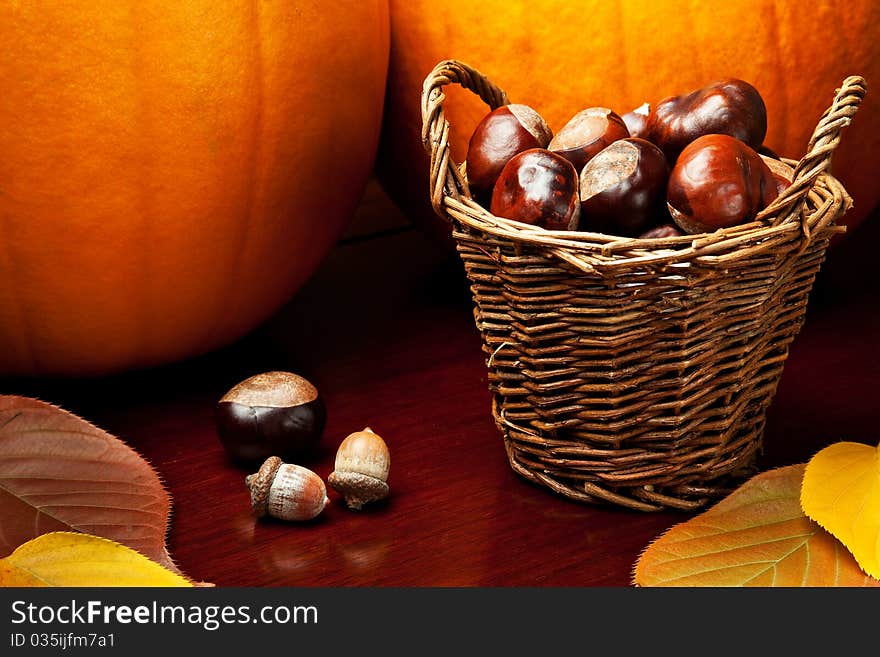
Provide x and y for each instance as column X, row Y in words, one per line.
column 60, row 473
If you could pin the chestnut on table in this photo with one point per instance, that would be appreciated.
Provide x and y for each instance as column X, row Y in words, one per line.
column 270, row 414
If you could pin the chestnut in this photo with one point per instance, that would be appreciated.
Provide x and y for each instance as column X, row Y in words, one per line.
column 729, row 106
column 718, row 181
column 538, row 187
column 501, row 134
column 623, row 188
column 270, row 414
column 587, row 133
column 663, row 230
column 637, row 120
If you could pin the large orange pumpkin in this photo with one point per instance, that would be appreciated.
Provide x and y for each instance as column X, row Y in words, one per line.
column 172, row 171
column 561, row 56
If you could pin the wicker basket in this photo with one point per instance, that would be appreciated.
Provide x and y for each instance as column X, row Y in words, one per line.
column 637, row 372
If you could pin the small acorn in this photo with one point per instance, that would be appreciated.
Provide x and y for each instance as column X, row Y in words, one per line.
column 273, row 413
column 286, row 491
column 360, row 473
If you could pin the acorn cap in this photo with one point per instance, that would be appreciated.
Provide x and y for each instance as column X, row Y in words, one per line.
column 260, row 482
column 357, row 489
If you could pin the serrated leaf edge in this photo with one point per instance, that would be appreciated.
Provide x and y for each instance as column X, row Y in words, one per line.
column 652, row 543
column 162, row 485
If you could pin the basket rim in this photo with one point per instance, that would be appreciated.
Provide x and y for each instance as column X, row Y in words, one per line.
column 827, row 200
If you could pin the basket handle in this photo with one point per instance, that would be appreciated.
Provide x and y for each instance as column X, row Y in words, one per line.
column 446, row 178
column 826, row 137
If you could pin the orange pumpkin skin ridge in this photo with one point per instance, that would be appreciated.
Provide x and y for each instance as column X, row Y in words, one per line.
column 796, row 56
column 173, row 172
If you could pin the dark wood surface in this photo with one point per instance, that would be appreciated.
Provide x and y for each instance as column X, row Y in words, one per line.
column 384, row 329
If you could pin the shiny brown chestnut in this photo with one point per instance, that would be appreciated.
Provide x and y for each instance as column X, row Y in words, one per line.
column 729, row 106
column 587, row 133
column 270, row 414
column 623, row 188
column 717, row 182
column 501, row 134
column 637, row 120
column 538, row 187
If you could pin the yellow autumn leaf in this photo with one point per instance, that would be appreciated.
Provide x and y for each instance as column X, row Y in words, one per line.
column 72, row 559
column 841, row 492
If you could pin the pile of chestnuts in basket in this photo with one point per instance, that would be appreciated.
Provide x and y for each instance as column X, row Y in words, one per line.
column 692, row 163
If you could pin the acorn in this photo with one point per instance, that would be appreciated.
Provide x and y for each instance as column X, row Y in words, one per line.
column 273, row 413
column 360, row 472
column 286, row 491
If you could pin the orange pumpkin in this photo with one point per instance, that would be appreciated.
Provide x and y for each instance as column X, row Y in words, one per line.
column 560, row 56
column 171, row 172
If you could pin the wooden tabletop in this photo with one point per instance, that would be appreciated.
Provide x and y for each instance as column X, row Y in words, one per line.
column 384, row 329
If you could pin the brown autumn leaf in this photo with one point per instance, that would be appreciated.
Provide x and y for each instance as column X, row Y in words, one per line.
column 61, row 473
column 756, row 536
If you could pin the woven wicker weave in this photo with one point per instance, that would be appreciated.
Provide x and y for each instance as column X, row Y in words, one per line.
column 631, row 371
